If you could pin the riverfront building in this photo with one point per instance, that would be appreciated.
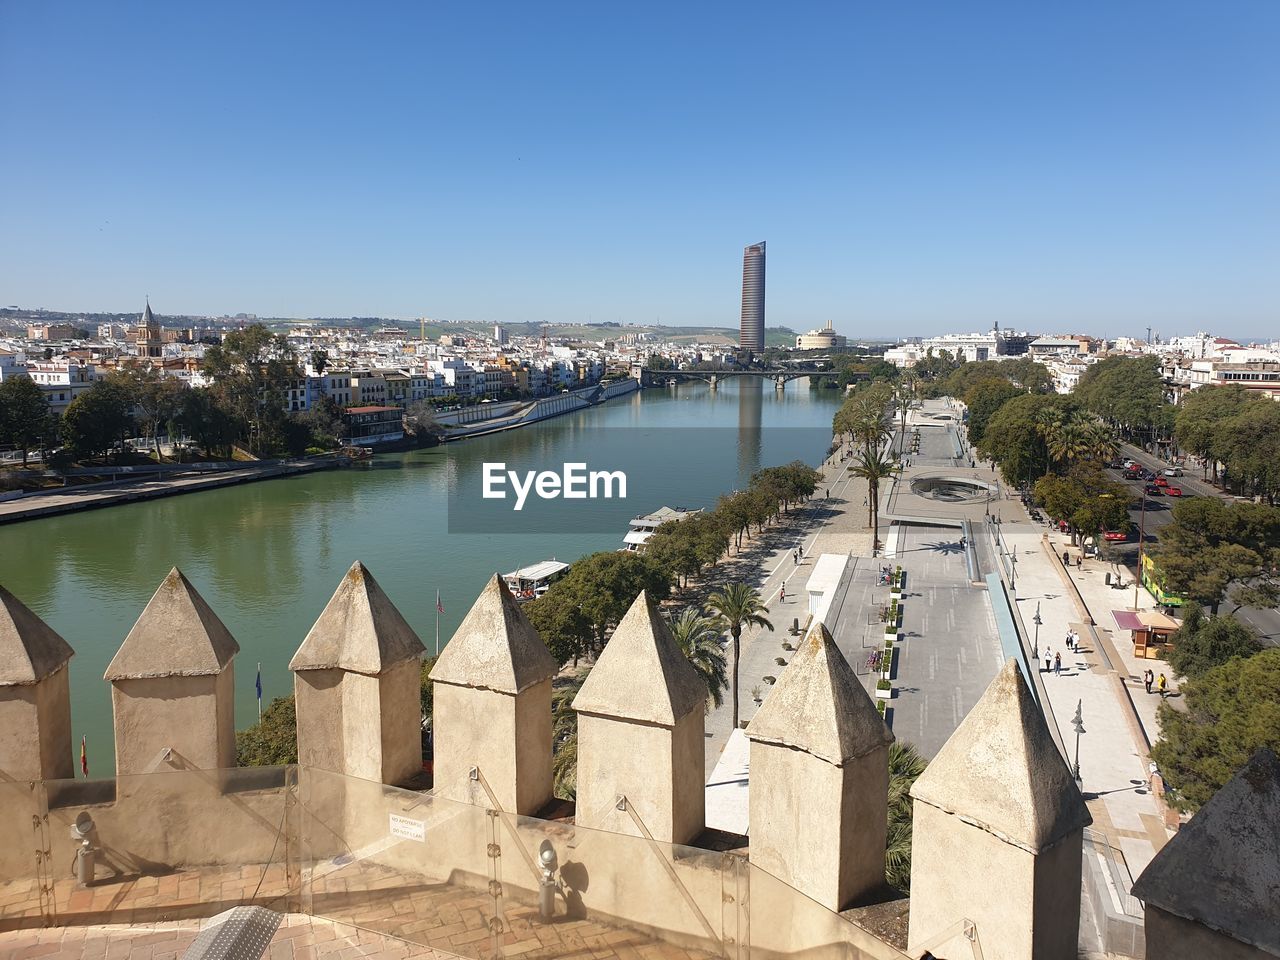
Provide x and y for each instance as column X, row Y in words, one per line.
column 751, row 333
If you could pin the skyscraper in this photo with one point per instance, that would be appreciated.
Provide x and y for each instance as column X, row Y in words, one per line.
column 751, row 333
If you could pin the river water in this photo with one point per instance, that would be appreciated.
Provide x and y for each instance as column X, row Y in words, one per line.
column 267, row 556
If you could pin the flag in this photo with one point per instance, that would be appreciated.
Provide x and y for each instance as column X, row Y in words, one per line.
column 439, row 605
column 84, row 757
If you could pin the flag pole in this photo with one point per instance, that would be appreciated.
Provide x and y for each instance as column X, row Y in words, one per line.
column 259, row 685
column 437, row 623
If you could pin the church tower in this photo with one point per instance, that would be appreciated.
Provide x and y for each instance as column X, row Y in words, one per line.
column 148, row 341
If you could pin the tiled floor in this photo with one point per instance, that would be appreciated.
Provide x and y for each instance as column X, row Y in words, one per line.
column 374, row 911
column 298, row 938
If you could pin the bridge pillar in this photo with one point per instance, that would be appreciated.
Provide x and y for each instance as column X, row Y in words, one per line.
column 780, row 384
column 715, row 381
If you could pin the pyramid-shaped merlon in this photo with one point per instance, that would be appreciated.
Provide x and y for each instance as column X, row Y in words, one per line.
column 495, row 647
column 360, row 630
column 177, row 635
column 30, row 649
column 642, row 673
column 1001, row 770
column 819, row 706
column 1222, row 869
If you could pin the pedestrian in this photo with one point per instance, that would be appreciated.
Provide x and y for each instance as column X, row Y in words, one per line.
column 782, row 594
column 864, row 501
column 1048, row 659
column 1066, row 558
column 1163, row 684
column 1148, row 678
column 1057, row 664
column 1075, row 642
column 1079, row 560
column 1067, row 640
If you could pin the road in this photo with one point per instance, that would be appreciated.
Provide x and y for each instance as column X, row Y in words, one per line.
column 1159, row 513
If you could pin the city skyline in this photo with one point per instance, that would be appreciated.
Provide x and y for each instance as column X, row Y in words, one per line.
column 1058, row 170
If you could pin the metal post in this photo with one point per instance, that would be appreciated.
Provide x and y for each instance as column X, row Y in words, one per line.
column 1078, row 723
column 1142, row 530
column 1035, row 644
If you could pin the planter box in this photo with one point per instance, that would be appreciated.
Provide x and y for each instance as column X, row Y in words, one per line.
column 896, row 594
column 891, row 633
column 884, row 694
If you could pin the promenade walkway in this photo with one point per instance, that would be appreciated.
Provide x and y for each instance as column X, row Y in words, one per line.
column 73, row 499
column 1119, row 724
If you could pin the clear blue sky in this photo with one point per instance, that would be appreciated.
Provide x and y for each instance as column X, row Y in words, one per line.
column 914, row 168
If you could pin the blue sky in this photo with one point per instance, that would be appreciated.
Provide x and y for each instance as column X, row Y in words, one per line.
column 915, row 168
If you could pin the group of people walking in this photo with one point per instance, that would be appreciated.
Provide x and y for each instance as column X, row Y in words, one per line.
column 1053, row 660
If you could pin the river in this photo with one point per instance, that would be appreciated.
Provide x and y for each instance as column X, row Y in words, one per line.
column 267, row 556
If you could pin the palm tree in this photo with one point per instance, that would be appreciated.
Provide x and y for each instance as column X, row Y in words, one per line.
column 735, row 607
column 873, row 466
column 564, row 736
column 700, row 640
column 905, row 764
column 903, row 395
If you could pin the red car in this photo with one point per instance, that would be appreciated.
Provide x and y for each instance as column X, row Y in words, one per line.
column 1173, row 491
column 1161, row 482
column 1116, row 535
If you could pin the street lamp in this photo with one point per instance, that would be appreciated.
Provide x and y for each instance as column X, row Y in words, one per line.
column 1013, row 573
column 1077, row 722
column 1142, row 540
column 1035, row 644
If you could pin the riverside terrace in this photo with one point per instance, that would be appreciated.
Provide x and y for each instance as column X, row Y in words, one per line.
column 485, row 863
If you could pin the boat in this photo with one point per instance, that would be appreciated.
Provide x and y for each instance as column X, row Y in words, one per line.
column 642, row 527
column 531, row 582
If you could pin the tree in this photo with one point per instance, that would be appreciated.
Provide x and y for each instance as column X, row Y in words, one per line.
column 1128, row 393
column 576, row 616
column 200, row 416
column 1202, row 643
column 1201, row 418
column 1014, row 436
column 736, row 606
column 324, row 424
column 1231, row 711
column 251, row 370
column 156, row 399
column 24, row 413
column 319, row 361
column 1214, row 549
column 564, row 735
column 983, row 399
column 1086, row 499
column 422, row 422
column 98, row 418
column 874, row 466
column 905, row 765
column 700, row 642
column 273, row 740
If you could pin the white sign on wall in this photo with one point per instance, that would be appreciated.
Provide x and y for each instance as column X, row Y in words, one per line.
column 407, row 829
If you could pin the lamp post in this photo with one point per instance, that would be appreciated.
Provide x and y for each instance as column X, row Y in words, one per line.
column 1013, row 572
column 1035, row 644
column 1077, row 722
column 1142, row 540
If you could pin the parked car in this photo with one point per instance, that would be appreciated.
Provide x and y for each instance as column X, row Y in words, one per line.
column 1133, row 473
column 1116, row 536
column 1148, row 475
column 1173, row 472
column 1153, row 491
column 1173, row 491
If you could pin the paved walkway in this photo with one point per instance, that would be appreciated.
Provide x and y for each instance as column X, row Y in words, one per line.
column 73, row 499
column 1113, row 751
column 835, row 521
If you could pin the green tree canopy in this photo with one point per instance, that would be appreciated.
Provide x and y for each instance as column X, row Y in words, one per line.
column 1202, row 643
column 983, row 398
column 1014, row 436
column 98, row 418
column 24, row 414
column 1231, row 711
column 1214, row 549
column 1128, row 393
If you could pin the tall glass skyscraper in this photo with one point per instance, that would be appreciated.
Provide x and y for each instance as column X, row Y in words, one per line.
column 751, row 333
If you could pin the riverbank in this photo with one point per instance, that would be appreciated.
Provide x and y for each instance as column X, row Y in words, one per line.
column 73, row 499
